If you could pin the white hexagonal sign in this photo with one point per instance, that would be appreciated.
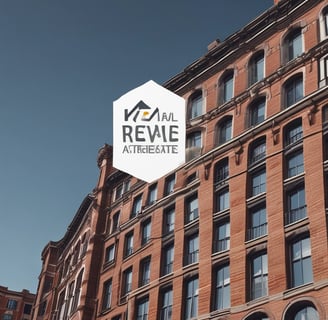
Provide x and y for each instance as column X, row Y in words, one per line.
column 149, row 132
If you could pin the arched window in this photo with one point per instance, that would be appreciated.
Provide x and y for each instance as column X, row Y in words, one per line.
column 195, row 105
column 224, row 130
column 323, row 21
column 293, row 90
column 256, row 68
column 303, row 310
column 256, row 112
column 292, row 46
column 193, row 145
column 226, row 84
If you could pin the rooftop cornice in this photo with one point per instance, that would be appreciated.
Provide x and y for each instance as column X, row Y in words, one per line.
column 236, row 44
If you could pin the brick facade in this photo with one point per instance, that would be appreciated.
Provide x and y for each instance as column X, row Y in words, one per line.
column 243, row 233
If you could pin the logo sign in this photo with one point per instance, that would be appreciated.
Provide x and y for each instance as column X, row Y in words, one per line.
column 149, row 132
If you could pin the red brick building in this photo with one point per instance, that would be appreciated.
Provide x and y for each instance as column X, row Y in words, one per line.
column 240, row 230
column 15, row 305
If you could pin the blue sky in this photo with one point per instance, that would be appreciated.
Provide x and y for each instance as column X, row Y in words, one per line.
column 62, row 64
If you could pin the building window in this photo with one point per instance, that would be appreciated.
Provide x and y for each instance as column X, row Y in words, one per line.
column 191, row 204
column 128, row 248
column 145, row 231
column 169, row 184
column 142, row 309
column 166, row 304
column 292, row 45
column 221, row 171
column 7, row 317
column 69, row 299
column 256, row 68
column 127, row 281
column 296, row 205
column 121, row 189
column 256, row 112
column 222, row 288
column 195, row 105
column 324, row 24
column 222, row 236
column 77, row 291
column 110, row 254
column 258, row 223
column 257, row 151
column 152, row 194
column 136, row 207
column 192, row 249
column 293, row 132
column 323, row 71
column 168, row 258
column 293, row 90
column 259, row 276
column 12, row 304
column 145, row 272
column 42, row 308
column 258, row 180
column 295, row 164
column 226, row 87
column 301, row 262
column 115, row 222
column 168, row 220
column 224, row 130
column 222, row 200
column 193, row 145
column 191, row 299
column 107, row 295
column 302, row 311
column 27, row 308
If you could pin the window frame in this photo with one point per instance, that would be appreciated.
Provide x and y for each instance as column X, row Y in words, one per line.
column 145, row 271
column 291, row 89
column 195, row 104
column 168, row 259
column 136, row 206
column 262, row 274
column 128, row 244
column 145, row 231
column 166, row 303
column 226, row 86
column 222, row 287
column 293, row 46
column 304, row 261
column 107, row 293
column 221, row 236
column 152, row 194
column 256, row 67
column 169, row 184
column 192, row 249
column 256, row 112
column 110, row 253
column 191, row 287
column 259, row 227
column 299, row 212
column 191, row 208
column 168, row 217
column 224, row 130
column 142, row 308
